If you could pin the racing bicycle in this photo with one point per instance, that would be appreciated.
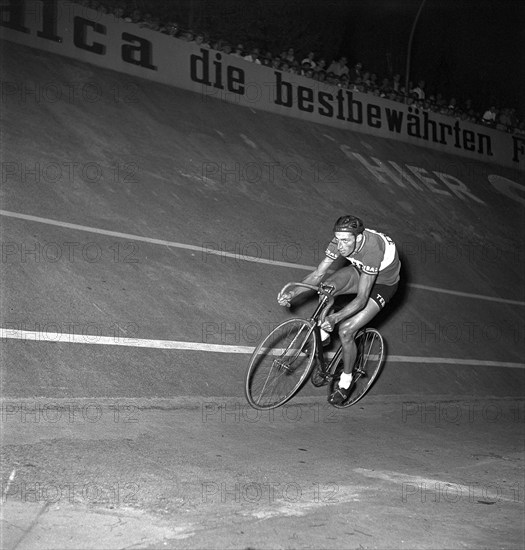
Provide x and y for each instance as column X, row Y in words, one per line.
column 293, row 352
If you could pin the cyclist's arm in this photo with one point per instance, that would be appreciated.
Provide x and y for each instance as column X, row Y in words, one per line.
column 364, row 287
column 316, row 276
column 313, row 278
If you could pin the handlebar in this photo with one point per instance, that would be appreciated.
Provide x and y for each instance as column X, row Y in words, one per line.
column 325, row 290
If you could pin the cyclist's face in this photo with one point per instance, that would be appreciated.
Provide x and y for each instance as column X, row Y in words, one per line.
column 345, row 243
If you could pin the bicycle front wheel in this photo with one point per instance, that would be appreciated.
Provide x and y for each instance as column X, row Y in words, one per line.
column 367, row 366
column 280, row 364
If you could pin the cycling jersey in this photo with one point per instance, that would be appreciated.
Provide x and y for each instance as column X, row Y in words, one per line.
column 376, row 255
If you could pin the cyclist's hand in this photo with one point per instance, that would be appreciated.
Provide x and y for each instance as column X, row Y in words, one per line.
column 284, row 299
column 328, row 324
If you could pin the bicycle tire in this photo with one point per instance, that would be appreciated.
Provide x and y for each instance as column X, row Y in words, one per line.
column 369, row 362
column 280, row 364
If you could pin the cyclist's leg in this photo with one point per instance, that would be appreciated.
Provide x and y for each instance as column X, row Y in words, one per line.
column 345, row 281
column 348, row 329
column 379, row 297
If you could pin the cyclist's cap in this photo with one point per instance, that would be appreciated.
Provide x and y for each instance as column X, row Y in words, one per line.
column 349, row 224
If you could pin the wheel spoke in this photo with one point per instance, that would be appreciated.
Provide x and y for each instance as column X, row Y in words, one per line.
column 265, row 384
column 278, row 367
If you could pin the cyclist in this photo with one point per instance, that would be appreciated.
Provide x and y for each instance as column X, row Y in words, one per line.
column 373, row 276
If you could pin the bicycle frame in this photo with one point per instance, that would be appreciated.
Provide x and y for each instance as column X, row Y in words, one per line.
column 319, row 314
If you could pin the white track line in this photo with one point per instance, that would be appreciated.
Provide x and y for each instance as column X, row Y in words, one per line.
column 61, row 338
column 205, row 250
column 130, row 237
column 9, row 481
column 467, row 294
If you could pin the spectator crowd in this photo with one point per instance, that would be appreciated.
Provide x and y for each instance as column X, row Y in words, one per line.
column 335, row 72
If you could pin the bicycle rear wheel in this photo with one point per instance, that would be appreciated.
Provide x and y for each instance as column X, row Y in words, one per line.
column 367, row 367
column 280, row 364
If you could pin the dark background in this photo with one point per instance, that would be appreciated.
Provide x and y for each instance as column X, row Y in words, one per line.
column 461, row 48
